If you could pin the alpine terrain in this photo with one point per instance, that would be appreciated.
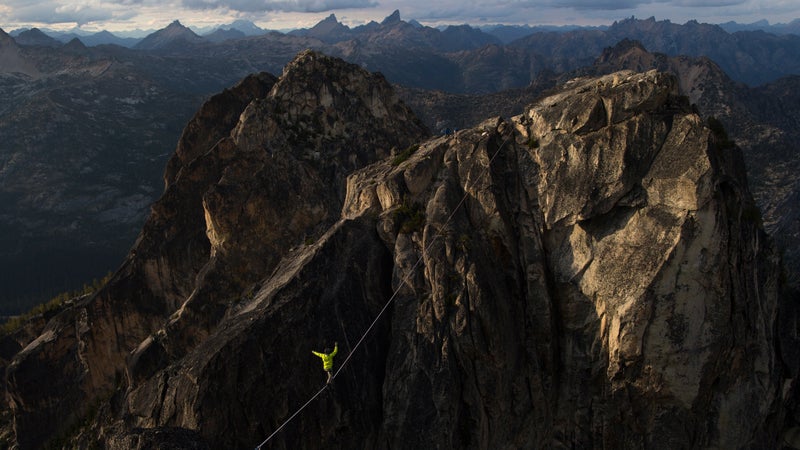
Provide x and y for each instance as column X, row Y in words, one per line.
column 89, row 122
column 590, row 273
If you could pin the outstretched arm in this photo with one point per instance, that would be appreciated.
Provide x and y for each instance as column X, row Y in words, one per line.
column 317, row 353
column 335, row 348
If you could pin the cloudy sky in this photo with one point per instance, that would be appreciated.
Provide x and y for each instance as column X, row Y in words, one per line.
column 119, row 15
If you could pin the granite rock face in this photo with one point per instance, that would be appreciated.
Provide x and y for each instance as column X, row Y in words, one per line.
column 588, row 274
column 762, row 121
column 596, row 289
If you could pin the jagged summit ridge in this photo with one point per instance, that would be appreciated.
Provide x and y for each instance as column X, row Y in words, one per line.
column 546, row 272
column 259, row 169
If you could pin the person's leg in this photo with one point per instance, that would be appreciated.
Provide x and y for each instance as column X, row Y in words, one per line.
column 329, row 377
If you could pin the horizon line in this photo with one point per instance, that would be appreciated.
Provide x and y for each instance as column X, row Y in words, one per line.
column 211, row 28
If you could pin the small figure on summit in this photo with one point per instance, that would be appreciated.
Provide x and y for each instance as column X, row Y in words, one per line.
column 327, row 359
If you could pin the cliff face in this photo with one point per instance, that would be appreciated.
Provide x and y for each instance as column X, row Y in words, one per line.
column 588, row 274
column 763, row 122
column 618, row 248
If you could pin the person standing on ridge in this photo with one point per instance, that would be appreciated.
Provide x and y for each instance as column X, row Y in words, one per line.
column 327, row 359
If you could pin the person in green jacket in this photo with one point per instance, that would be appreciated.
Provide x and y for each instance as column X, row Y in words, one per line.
column 327, row 359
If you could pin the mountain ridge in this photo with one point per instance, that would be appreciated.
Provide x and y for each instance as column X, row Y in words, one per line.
column 593, row 227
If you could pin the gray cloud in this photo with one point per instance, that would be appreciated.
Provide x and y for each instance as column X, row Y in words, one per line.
column 55, row 12
column 608, row 5
column 594, row 4
column 707, row 3
column 311, row 6
column 613, row 5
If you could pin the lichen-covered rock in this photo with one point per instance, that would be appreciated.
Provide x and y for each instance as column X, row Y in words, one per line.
column 586, row 275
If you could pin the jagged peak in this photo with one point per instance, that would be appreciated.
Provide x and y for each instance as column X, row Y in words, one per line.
column 392, row 19
column 313, row 85
column 632, row 20
column 175, row 28
column 328, row 25
column 330, row 19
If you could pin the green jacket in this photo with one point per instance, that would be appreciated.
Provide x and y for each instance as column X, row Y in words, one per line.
column 327, row 359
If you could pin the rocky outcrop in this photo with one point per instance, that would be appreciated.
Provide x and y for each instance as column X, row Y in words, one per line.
column 292, row 141
column 625, row 236
column 680, row 217
column 588, row 274
column 762, row 121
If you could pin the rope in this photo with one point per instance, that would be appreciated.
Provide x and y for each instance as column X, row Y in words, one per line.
column 292, row 417
column 391, row 299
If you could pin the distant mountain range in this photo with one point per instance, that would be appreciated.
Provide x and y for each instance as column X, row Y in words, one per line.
column 87, row 129
column 330, row 27
column 792, row 27
column 752, row 53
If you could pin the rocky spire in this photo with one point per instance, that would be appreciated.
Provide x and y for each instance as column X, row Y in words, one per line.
column 329, row 30
column 392, row 18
